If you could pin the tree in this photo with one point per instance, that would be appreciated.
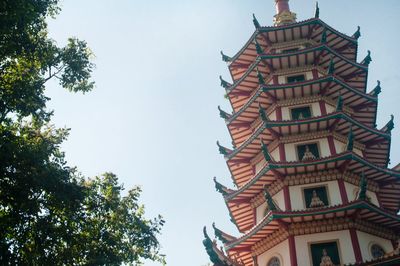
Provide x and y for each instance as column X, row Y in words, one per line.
column 49, row 213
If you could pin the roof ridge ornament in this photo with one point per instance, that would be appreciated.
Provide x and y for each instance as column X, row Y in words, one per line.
column 316, row 10
column 339, row 104
column 390, row 124
column 357, row 34
column 350, row 140
column 262, row 113
column 265, row 151
column 219, row 234
column 220, row 188
column 225, row 84
column 223, row 114
column 225, row 58
column 368, row 59
column 261, row 80
column 324, row 36
column 377, row 90
column 222, row 149
column 209, row 246
column 269, row 200
column 259, row 49
column 362, row 193
column 331, row 68
column 255, row 22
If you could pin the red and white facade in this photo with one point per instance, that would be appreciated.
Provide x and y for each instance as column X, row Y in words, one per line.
column 310, row 166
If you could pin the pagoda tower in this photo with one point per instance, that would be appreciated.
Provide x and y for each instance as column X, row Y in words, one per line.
column 310, row 166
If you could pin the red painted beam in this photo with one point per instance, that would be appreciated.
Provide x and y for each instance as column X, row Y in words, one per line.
column 322, row 107
column 343, row 193
column 286, row 195
column 332, row 147
column 282, row 153
column 356, row 245
column 292, row 251
column 278, row 113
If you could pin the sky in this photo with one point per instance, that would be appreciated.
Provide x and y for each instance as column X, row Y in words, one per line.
column 152, row 118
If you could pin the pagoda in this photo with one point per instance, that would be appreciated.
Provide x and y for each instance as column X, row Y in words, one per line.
column 313, row 186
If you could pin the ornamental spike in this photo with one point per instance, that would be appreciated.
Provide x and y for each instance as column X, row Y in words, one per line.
column 331, row 68
column 265, row 151
column 377, row 90
column 350, row 140
column 339, row 104
column 390, row 124
column 262, row 113
column 357, row 34
column 222, row 113
column 362, row 193
column 219, row 187
column 209, row 246
column 368, row 59
column 224, row 83
column 269, row 200
column 222, row 150
column 255, row 22
column 258, row 46
column 324, row 36
column 225, row 58
column 316, row 10
column 218, row 233
column 205, row 233
column 261, row 80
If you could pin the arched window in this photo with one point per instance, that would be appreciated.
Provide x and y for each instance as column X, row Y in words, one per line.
column 377, row 251
column 274, row 262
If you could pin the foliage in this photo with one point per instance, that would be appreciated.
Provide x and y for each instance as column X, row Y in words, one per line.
column 125, row 234
column 49, row 213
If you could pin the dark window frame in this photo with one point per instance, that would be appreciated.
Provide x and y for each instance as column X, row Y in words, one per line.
column 298, row 152
column 307, row 195
column 296, row 78
column 317, row 252
column 297, row 108
column 290, row 50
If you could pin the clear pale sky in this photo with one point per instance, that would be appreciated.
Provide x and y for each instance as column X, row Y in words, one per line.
column 153, row 118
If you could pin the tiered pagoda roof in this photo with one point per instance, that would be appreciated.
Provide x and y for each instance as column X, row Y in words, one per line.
column 257, row 129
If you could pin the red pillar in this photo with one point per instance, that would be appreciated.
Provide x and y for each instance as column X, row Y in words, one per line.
column 343, row 193
column 355, row 244
column 278, row 111
column 275, row 80
column 255, row 216
column 315, row 74
column 322, row 107
column 282, row 153
column 292, row 251
column 286, row 196
column 331, row 144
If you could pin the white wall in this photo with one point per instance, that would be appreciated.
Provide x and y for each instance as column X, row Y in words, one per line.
column 272, row 116
column 281, row 251
column 291, row 151
column 275, row 154
column 297, row 198
column 345, row 247
column 329, row 108
column 350, row 189
column 366, row 240
column 260, row 212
